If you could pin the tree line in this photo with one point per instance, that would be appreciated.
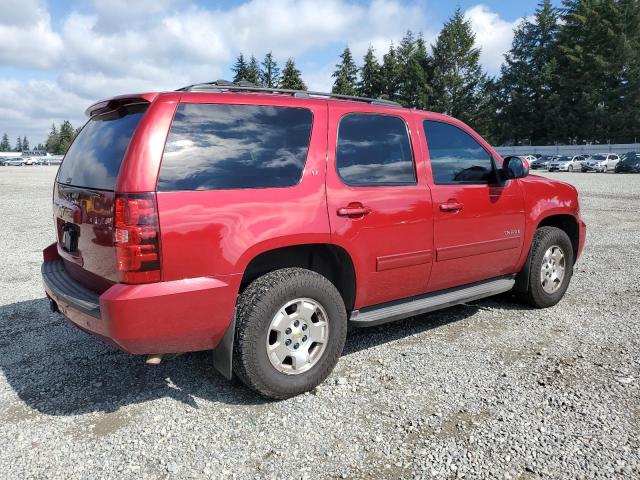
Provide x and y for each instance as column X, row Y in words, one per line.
column 58, row 140
column 21, row 145
column 572, row 75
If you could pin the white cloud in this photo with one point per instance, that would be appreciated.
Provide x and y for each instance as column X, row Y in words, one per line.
column 26, row 37
column 493, row 35
column 28, row 108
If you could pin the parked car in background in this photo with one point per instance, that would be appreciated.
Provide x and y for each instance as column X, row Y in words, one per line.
column 272, row 218
column 600, row 162
column 14, row 162
column 51, row 160
column 567, row 164
column 629, row 163
column 542, row 163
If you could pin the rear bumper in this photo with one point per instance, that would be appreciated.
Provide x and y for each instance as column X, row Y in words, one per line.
column 165, row 317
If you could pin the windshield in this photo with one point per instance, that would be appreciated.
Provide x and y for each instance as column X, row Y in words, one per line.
column 94, row 158
column 563, row 159
column 599, row 157
column 630, row 157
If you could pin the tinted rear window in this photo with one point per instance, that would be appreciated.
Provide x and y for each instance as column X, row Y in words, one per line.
column 94, row 158
column 218, row 146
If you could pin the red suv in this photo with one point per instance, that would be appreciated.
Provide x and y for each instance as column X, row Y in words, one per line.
column 259, row 223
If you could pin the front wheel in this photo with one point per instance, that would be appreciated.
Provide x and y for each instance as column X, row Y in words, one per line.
column 551, row 268
column 570, row 168
column 291, row 325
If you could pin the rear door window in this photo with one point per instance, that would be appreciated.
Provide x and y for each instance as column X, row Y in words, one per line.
column 456, row 157
column 94, row 158
column 221, row 146
column 374, row 150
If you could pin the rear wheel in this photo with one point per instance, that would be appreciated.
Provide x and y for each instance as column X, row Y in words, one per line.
column 291, row 325
column 551, row 268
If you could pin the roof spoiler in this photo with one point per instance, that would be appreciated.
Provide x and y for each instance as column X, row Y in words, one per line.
column 115, row 103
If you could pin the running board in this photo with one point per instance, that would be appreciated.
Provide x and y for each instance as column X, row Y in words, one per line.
column 392, row 311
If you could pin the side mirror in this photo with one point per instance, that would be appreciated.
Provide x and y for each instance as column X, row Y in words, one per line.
column 515, row 167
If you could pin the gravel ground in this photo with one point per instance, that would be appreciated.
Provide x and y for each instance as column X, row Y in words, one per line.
column 490, row 389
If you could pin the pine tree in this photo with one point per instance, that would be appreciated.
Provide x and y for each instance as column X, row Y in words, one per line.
column 414, row 77
column 253, row 71
column 458, row 78
column 390, row 74
column 18, row 145
column 527, row 100
column 346, row 75
column 270, row 74
column 25, row 143
column 370, row 83
column 5, row 146
column 291, row 77
column 595, row 55
column 240, row 69
column 53, row 140
column 405, row 53
column 66, row 136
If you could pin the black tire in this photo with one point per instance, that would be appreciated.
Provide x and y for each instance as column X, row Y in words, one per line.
column 257, row 306
column 545, row 238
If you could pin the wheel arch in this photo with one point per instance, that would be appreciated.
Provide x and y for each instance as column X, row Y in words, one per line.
column 329, row 260
column 565, row 222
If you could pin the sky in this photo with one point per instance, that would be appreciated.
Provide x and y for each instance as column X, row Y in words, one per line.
column 59, row 57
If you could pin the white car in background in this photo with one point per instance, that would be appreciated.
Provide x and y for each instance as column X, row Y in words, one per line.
column 601, row 162
column 567, row 164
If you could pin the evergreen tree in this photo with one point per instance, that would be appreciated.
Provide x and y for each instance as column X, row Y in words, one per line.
column 371, row 82
column 18, row 145
column 528, row 104
column 5, row 146
column 66, row 136
column 597, row 76
column 270, row 74
column 253, row 71
column 291, row 77
column 53, row 140
column 25, row 143
column 346, row 75
column 458, row 79
column 390, row 74
column 414, row 79
column 240, row 69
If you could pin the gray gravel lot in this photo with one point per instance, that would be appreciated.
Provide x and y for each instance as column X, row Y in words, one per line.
column 491, row 389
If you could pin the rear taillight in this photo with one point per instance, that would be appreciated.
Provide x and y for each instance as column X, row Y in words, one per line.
column 136, row 238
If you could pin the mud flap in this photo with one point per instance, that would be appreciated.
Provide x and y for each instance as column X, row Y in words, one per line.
column 522, row 278
column 223, row 354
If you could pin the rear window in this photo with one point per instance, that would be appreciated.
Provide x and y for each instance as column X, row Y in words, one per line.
column 94, row 158
column 221, row 146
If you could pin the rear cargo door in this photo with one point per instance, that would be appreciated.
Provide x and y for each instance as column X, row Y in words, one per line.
column 83, row 197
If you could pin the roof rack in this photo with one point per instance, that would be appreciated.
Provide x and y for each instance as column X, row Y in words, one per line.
column 244, row 86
